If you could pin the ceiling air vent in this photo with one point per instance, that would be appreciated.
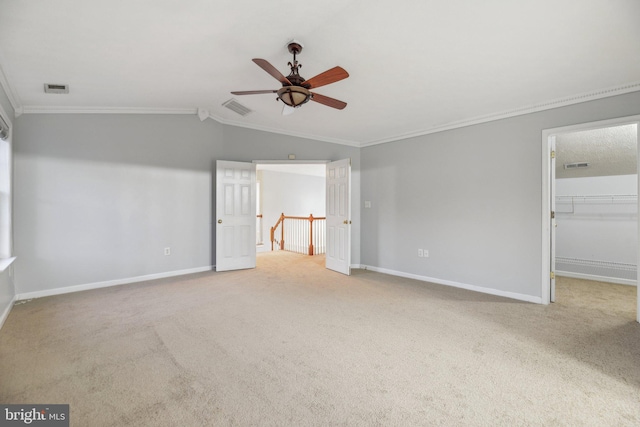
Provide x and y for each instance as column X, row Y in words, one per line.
column 52, row 88
column 576, row 165
column 4, row 129
column 234, row 105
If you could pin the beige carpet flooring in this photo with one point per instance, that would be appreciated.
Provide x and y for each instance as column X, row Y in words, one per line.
column 291, row 344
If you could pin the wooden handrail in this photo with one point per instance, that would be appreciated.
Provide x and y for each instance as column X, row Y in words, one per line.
column 273, row 229
column 309, row 218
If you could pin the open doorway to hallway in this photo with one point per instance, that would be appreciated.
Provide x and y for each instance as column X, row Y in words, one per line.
column 295, row 190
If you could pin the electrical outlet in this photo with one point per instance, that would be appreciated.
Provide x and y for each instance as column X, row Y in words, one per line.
column 420, row 253
column 167, row 251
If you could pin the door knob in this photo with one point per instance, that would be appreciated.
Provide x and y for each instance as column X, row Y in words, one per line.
column 219, row 221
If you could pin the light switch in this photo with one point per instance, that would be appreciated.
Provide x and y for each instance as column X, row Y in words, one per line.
column 367, row 204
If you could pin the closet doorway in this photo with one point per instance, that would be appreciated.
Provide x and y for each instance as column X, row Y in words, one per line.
column 591, row 230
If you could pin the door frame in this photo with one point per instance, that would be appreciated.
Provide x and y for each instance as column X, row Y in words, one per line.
column 548, row 174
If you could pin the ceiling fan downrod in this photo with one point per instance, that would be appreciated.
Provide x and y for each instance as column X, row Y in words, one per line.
column 294, row 77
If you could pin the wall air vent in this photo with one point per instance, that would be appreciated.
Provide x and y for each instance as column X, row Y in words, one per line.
column 234, row 105
column 54, row 88
column 577, row 165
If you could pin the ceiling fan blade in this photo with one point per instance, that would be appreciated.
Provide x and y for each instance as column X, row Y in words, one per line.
column 329, row 102
column 253, row 92
column 330, row 76
column 265, row 65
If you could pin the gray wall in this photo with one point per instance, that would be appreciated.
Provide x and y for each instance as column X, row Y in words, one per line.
column 7, row 291
column 98, row 197
column 471, row 196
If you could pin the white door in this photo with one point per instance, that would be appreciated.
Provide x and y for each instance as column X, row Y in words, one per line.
column 552, row 195
column 235, row 215
column 338, row 256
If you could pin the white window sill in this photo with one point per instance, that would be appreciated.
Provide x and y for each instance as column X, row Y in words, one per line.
column 5, row 263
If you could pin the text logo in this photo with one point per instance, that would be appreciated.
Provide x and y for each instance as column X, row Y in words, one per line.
column 34, row 415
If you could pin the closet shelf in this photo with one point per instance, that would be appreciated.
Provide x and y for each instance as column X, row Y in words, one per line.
column 598, row 198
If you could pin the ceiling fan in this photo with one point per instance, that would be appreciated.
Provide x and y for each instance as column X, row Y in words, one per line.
column 295, row 89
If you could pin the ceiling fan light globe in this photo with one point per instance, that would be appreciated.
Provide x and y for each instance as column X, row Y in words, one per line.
column 294, row 96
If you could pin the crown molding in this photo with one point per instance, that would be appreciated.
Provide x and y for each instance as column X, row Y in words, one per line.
column 284, row 132
column 30, row 109
column 11, row 93
column 561, row 102
column 123, row 110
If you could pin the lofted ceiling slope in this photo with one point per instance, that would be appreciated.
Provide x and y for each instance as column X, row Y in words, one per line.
column 415, row 66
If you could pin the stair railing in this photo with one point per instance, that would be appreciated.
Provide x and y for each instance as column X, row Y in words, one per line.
column 305, row 235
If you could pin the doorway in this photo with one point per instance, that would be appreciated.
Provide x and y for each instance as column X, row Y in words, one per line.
column 235, row 189
column 590, row 197
column 293, row 189
column 333, row 183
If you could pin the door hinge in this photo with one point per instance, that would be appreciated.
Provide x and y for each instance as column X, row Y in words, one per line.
column 553, row 214
column 553, row 154
column 552, row 275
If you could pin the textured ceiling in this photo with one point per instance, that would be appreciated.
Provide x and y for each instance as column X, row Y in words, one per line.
column 415, row 66
column 609, row 151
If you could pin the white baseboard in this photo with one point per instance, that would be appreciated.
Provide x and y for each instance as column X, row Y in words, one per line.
column 7, row 310
column 108, row 283
column 491, row 291
column 596, row 278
